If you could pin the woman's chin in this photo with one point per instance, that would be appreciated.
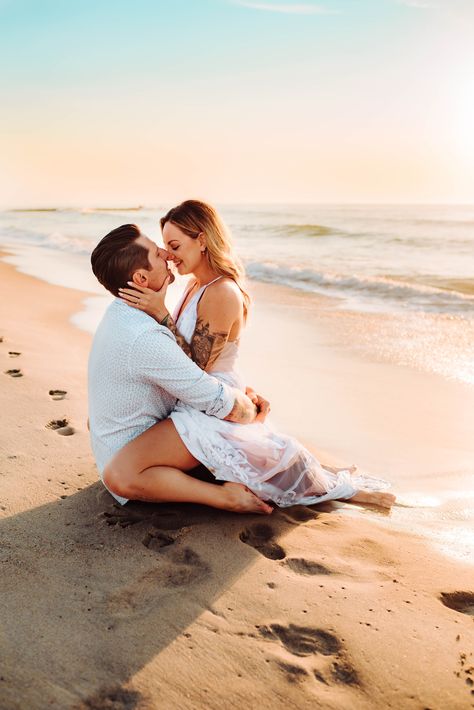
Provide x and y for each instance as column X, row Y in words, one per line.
column 182, row 270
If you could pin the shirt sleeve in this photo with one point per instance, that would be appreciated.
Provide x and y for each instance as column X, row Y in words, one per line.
column 156, row 357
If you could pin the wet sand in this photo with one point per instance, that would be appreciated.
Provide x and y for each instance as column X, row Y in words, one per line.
column 333, row 385
column 152, row 606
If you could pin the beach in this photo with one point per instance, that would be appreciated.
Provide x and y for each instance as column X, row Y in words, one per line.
column 165, row 606
column 320, row 155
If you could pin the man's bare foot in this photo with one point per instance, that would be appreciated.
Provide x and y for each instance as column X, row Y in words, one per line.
column 383, row 500
column 240, row 499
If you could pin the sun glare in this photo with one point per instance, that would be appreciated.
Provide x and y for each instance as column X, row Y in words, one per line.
column 463, row 120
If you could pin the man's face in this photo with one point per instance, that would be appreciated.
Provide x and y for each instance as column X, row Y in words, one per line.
column 158, row 259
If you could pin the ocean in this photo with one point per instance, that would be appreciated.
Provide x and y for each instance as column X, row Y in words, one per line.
column 412, row 263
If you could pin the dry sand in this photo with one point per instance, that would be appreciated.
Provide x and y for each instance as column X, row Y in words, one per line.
column 185, row 607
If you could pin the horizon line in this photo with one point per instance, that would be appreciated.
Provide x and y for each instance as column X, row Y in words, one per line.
column 138, row 208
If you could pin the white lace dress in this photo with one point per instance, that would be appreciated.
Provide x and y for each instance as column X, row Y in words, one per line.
column 274, row 466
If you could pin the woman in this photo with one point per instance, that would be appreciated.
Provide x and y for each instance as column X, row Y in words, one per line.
column 207, row 324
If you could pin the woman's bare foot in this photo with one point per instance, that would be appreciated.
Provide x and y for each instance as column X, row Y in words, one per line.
column 333, row 469
column 383, row 500
column 240, row 499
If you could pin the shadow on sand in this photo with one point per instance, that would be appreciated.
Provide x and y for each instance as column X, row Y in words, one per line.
column 92, row 591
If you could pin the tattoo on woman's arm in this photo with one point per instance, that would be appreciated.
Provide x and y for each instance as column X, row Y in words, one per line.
column 206, row 345
column 171, row 325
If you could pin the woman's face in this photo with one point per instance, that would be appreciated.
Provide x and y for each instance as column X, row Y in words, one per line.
column 186, row 251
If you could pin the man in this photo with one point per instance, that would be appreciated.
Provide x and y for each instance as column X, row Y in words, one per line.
column 137, row 372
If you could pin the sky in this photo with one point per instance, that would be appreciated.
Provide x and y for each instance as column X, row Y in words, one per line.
column 236, row 101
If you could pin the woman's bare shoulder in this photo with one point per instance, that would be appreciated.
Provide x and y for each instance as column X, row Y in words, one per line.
column 223, row 294
column 225, row 285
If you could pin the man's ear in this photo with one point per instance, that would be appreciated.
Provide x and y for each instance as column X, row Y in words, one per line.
column 140, row 277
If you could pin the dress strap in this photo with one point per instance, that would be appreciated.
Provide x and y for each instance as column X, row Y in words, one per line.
column 179, row 310
column 210, row 282
column 200, row 292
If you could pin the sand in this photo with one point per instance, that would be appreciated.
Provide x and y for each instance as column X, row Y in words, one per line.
column 151, row 606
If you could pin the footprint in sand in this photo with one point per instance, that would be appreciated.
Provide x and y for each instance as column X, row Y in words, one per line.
column 156, row 540
column 301, row 514
column 12, row 353
column 308, row 641
column 14, row 373
column 161, row 519
column 182, row 569
column 191, row 568
column 116, row 698
column 303, row 640
column 60, row 426
column 466, row 671
column 57, row 394
column 128, row 516
column 306, row 567
column 260, row 537
column 459, row 601
column 293, row 672
column 343, row 672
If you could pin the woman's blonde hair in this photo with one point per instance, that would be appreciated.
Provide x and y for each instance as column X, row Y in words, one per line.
column 194, row 218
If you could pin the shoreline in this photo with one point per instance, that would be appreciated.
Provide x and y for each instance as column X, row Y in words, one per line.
column 319, row 606
column 440, row 343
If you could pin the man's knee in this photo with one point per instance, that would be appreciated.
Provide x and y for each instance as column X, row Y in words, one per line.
column 117, row 482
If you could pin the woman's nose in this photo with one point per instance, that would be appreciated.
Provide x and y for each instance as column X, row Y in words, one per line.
column 166, row 255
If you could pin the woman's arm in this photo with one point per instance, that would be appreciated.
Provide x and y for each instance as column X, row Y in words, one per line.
column 219, row 309
column 171, row 325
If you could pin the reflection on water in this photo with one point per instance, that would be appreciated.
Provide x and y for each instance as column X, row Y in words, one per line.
column 456, row 542
column 428, row 342
column 445, row 520
column 417, row 500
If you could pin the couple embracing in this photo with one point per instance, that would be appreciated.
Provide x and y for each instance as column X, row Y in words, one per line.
column 164, row 391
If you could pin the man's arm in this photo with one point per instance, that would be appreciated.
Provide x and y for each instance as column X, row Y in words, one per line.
column 156, row 356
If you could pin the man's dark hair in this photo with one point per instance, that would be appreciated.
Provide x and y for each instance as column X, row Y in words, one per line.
column 117, row 256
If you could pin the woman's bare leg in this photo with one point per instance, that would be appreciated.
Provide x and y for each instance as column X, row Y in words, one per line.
column 150, row 468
